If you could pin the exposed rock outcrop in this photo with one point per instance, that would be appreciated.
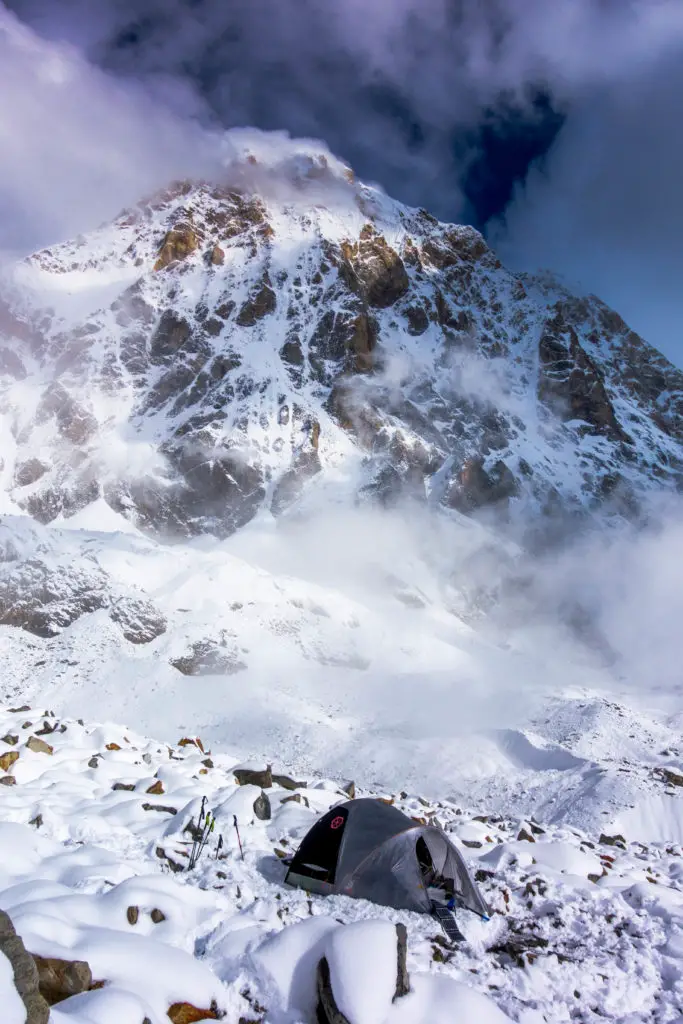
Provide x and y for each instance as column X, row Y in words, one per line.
column 177, row 244
column 570, row 381
column 44, row 599
column 210, row 658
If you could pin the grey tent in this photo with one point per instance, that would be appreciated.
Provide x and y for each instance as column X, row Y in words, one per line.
column 371, row 850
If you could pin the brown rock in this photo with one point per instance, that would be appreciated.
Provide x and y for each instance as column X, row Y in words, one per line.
column 260, row 304
column 402, row 977
column 160, row 807
column 157, row 916
column 43, row 600
column 374, row 270
column 247, row 777
column 113, row 746
column 216, row 256
column 60, row 979
column 8, row 780
column 345, row 336
column 157, row 788
column 10, row 740
column 74, row 422
column 47, row 729
column 132, row 914
column 225, row 310
column 524, row 836
column 171, row 335
column 292, row 353
column 329, row 1013
column 128, row 787
column 174, row 865
column 25, row 972
column 177, row 244
column 185, row 1013
column 209, row 658
column 140, row 620
column 39, row 746
column 476, row 487
column 8, row 759
column 672, row 778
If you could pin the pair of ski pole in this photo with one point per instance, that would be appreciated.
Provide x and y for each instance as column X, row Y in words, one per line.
column 207, row 823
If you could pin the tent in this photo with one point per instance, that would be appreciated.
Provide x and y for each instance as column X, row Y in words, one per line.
column 370, row 850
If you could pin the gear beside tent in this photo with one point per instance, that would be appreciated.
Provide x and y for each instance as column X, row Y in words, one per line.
column 370, row 850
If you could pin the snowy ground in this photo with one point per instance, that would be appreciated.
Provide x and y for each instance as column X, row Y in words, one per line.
column 528, row 753
column 581, row 929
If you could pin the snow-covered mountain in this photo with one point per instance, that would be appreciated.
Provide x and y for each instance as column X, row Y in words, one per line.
column 313, row 394
column 218, row 350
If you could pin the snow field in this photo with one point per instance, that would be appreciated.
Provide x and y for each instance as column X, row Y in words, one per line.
column 580, row 930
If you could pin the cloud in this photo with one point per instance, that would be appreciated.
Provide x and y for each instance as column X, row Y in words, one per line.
column 79, row 144
column 399, row 89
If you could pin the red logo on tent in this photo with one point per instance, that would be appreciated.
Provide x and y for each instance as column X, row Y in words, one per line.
column 337, row 822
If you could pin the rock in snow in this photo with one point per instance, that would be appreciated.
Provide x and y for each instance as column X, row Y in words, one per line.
column 20, row 997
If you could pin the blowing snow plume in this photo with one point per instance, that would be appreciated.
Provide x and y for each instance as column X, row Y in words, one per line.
column 79, row 144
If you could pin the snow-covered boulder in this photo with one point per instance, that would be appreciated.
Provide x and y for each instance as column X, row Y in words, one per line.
column 362, row 973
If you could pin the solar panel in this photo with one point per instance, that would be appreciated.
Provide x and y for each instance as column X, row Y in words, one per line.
column 447, row 921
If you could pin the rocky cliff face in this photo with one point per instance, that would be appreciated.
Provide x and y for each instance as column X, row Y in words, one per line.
column 213, row 351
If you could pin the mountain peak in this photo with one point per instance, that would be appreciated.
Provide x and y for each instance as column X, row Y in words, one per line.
column 215, row 349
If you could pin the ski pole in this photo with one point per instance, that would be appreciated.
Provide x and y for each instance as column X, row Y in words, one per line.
column 220, row 845
column 197, row 836
column 234, row 820
column 208, row 829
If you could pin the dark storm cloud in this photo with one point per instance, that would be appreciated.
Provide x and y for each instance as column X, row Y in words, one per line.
column 397, row 87
column 405, row 90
